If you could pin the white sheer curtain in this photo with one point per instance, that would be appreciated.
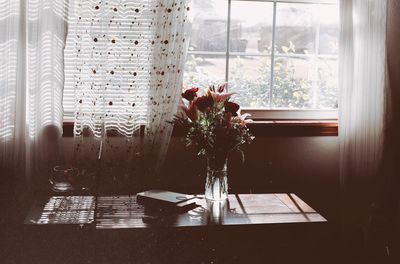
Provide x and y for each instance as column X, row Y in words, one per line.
column 362, row 71
column 124, row 60
column 11, row 87
column 32, row 37
column 46, row 33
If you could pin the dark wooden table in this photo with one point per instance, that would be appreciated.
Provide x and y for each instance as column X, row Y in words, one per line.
column 241, row 209
column 115, row 229
column 114, row 212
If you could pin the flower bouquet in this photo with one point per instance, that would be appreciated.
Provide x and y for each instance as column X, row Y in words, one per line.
column 215, row 127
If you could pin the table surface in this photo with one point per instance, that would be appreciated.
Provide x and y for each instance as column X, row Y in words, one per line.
column 117, row 212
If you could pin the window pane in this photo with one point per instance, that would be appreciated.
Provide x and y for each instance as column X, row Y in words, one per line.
column 204, row 70
column 206, row 58
column 293, row 82
column 251, row 27
column 209, row 25
column 306, row 65
column 296, row 25
column 327, row 83
column 249, row 78
column 329, row 29
column 306, row 47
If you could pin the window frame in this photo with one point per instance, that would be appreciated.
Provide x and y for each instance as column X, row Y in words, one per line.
column 271, row 113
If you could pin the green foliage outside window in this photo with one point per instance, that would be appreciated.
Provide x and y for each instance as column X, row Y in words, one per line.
column 317, row 91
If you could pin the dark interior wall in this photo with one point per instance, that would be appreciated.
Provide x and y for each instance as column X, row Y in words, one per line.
column 393, row 55
column 392, row 145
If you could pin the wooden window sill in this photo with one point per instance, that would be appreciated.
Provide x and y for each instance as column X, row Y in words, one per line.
column 295, row 128
column 286, row 128
column 267, row 128
column 68, row 129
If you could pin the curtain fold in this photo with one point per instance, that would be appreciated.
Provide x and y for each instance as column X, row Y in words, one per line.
column 32, row 43
column 46, row 29
column 168, row 61
column 11, row 88
column 384, row 221
column 363, row 97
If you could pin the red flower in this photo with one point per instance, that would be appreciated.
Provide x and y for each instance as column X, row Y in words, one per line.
column 231, row 107
column 190, row 94
column 204, row 102
column 190, row 111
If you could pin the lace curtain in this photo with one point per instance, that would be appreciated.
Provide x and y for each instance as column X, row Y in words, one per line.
column 32, row 37
column 363, row 97
column 124, row 60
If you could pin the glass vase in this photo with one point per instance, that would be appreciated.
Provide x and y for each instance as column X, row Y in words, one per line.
column 216, row 188
column 216, row 211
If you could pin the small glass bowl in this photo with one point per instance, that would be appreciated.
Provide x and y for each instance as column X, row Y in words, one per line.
column 63, row 178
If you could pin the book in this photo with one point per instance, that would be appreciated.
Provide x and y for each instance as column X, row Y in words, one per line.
column 167, row 200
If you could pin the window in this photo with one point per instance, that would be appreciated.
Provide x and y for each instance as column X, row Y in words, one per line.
column 232, row 40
